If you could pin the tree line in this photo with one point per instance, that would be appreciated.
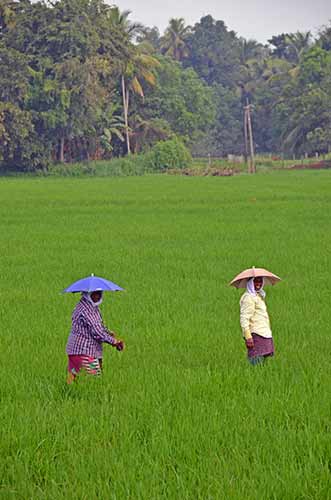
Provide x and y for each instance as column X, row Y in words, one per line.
column 79, row 80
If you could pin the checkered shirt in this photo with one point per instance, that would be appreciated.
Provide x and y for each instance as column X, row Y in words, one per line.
column 87, row 332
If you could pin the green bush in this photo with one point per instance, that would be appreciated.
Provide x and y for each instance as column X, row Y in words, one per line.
column 168, row 154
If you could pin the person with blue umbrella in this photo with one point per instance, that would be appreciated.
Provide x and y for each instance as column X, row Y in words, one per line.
column 88, row 333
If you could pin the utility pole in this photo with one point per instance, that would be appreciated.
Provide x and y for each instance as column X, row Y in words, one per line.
column 249, row 143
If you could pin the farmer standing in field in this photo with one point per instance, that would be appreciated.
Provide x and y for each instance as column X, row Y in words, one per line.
column 254, row 318
column 88, row 333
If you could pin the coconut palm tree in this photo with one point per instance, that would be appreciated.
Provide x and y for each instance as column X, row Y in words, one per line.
column 173, row 42
column 138, row 68
column 121, row 20
column 291, row 46
column 253, row 57
column 298, row 44
column 252, row 50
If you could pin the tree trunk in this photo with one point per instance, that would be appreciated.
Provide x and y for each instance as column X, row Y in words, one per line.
column 125, row 97
column 88, row 155
column 61, row 150
column 246, row 138
column 251, row 143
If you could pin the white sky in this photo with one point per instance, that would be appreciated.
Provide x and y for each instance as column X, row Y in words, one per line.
column 257, row 19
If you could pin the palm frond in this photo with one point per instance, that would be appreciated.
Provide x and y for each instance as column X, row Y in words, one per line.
column 136, row 87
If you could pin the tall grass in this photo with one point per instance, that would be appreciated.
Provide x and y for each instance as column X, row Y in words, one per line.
column 180, row 414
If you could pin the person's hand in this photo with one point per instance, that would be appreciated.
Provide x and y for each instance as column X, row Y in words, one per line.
column 249, row 343
column 119, row 345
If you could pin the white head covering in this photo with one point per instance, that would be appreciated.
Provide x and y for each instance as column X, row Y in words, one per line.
column 87, row 296
column 251, row 288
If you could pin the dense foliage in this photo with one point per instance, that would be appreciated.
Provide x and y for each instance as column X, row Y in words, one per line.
column 80, row 81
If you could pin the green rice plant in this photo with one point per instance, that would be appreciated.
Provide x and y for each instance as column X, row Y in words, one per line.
column 180, row 414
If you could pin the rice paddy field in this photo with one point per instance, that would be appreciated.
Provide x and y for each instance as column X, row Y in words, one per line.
column 180, row 414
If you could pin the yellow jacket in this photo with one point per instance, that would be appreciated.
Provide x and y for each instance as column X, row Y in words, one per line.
column 254, row 316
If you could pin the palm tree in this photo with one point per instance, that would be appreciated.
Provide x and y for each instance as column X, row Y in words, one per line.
column 173, row 42
column 295, row 45
column 291, row 46
column 137, row 68
column 298, row 44
column 121, row 20
column 253, row 56
column 251, row 50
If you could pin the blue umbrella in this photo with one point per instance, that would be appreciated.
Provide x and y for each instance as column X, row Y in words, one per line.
column 92, row 284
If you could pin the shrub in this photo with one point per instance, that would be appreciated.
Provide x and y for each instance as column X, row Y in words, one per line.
column 168, row 154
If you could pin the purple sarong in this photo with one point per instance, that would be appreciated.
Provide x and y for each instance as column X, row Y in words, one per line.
column 262, row 346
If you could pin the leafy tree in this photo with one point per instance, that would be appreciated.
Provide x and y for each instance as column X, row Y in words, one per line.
column 14, row 76
column 181, row 99
column 225, row 134
column 70, row 70
column 307, row 100
column 214, row 52
column 20, row 145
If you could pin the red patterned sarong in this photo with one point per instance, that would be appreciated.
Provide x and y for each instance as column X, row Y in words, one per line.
column 77, row 362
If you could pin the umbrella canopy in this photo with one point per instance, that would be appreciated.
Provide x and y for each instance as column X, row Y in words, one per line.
column 92, row 284
column 240, row 281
